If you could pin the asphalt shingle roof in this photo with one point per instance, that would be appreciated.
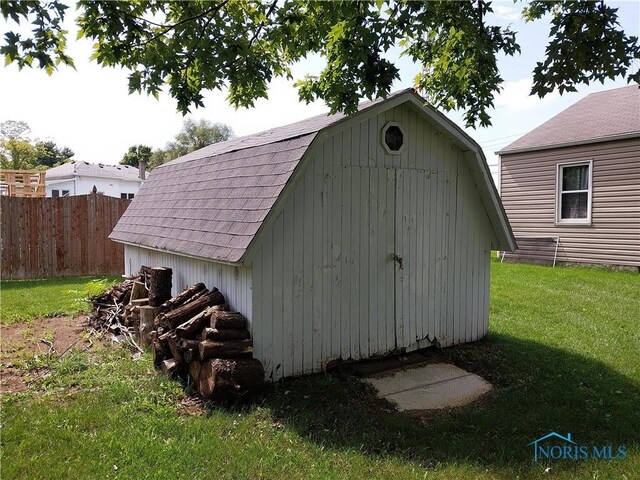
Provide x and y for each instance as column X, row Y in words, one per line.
column 601, row 115
column 210, row 203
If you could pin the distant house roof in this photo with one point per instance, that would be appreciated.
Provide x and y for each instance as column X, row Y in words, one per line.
column 597, row 117
column 211, row 203
column 86, row 169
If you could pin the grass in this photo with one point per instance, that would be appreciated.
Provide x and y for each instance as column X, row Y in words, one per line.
column 26, row 300
column 562, row 354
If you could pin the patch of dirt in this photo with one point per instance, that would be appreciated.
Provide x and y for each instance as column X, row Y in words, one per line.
column 21, row 342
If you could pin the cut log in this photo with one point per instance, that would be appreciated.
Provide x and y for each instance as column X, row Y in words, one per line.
column 190, row 355
column 194, row 371
column 222, row 379
column 190, row 350
column 228, row 334
column 138, row 290
column 228, row 320
column 223, row 308
column 159, row 285
column 176, row 349
column 226, row 349
column 181, row 314
column 169, row 367
column 159, row 349
column 197, row 295
column 182, row 297
column 146, row 324
column 192, row 327
column 140, row 302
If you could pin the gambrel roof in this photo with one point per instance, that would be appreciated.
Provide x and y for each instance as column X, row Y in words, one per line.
column 211, row 203
column 598, row 117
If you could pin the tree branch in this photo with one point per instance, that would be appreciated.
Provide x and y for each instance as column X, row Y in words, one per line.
column 168, row 28
column 261, row 26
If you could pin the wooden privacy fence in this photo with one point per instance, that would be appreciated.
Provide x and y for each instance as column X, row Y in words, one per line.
column 65, row 236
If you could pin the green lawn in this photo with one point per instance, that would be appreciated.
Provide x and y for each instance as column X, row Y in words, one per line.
column 22, row 300
column 563, row 354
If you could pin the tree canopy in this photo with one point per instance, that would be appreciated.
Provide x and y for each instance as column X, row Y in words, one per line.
column 16, row 150
column 192, row 47
column 135, row 154
column 193, row 135
column 19, row 152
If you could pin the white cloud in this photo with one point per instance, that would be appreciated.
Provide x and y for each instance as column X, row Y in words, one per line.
column 505, row 12
column 515, row 96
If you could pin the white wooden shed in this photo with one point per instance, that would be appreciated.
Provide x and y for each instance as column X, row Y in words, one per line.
column 339, row 237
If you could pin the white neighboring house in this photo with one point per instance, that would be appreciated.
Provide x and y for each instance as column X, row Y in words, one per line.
column 79, row 178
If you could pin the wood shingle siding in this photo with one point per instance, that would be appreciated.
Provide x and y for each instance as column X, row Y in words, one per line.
column 528, row 190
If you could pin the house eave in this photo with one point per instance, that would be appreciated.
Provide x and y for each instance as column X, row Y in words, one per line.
column 589, row 141
column 239, row 263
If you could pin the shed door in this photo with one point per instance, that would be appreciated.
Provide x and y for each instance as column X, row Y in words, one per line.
column 422, row 212
column 381, row 251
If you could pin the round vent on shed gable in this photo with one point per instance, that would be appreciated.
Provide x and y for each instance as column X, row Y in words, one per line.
column 393, row 138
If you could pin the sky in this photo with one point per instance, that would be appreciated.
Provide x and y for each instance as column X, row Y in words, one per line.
column 89, row 109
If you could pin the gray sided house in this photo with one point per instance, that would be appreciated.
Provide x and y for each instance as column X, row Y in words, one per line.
column 576, row 179
column 338, row 237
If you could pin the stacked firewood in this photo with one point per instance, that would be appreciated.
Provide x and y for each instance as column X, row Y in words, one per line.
column 192, row 335
column 109, row 306
column 196, row 337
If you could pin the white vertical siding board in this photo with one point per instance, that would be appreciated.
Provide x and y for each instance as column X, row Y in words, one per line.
column 278, row 295
column 336, row 255
column 413, row 242
column 327, row 259
column 257, row 296
column 346, row 281
column 449, row 154
column 299, row 239
column 422, row 186
column 364, row 277
column 365, row 219
column 306, row 317
column 440, row 326
column 374, row 267
column 487, row 282
column 472, row 278
column 336, row 248
column 356, row 288
column 398, row 248
column 388, row 250
column 319, row 248
column 385, row 295
column 429, row 266
column 458, row 256
column 266, row 311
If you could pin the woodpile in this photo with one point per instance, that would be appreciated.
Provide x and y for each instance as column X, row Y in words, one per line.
column 192, row 335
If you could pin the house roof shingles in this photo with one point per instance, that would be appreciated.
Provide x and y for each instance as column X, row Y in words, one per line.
column 79, row 168
column 598, row 116
column 210, row 207
column 211, row 202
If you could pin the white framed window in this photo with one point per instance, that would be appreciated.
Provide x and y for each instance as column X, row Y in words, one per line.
column 393, row 138
column 573, row 193
column 128, row 196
